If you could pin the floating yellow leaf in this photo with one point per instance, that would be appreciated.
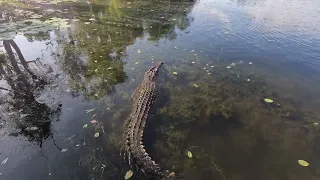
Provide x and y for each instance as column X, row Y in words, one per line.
column 139, row 51
column 195, row 85
column 128, row 174
column 303, row 163
column 175, row 73
column 189, row 154
column 85, row 126
column 96, row 134
column 267, row 100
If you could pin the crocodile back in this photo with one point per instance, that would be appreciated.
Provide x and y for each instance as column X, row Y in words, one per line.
column 143, row 100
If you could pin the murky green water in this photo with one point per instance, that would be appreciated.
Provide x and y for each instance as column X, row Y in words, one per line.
column 68, row 68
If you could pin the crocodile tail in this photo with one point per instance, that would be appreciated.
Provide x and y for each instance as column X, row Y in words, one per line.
column 146, row 164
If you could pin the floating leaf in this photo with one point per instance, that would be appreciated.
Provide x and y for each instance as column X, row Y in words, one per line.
column 90, row 110
column 172, row 174
column 64, row 150
column 175, row 73
column 93, row 121
column 139, row 51
column 267, row 100
column 4, row 161
column 85, row 126
column 65, row 26
column 128, row 174
column 303, row 163
column 96, row 134
column 195, row 85
column 189, row 154
column 34, row 128
column 31, row 128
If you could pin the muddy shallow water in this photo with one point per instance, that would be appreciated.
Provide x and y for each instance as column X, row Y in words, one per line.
column 239, row 88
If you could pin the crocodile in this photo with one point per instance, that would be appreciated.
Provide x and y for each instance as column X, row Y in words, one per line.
column 143, row 99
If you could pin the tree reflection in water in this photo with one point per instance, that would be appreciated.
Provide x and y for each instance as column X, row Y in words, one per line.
column 30, row 116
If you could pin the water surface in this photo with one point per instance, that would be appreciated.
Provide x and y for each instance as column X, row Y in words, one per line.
column 64, row 64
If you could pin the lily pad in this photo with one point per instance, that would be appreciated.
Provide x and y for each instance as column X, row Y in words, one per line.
column 189, row 154
column 303, row 163
column 267, row 100
column 128, row 174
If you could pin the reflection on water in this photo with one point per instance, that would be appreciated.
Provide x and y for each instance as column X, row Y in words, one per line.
column 30, row 116
column 68, row 68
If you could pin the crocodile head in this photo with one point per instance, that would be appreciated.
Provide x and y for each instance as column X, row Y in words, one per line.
column 152, row 72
